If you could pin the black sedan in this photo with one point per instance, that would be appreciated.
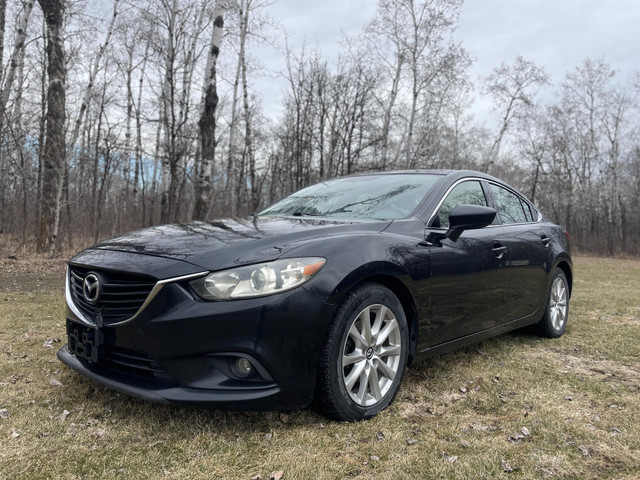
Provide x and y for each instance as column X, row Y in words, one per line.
column 323, row 297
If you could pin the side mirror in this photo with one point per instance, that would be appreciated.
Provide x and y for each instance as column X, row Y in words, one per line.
column 468, row 217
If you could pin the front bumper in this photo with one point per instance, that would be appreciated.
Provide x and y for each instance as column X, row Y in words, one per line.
column 180, row 343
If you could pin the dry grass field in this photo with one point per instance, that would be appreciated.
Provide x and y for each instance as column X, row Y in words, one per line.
column 516, row 406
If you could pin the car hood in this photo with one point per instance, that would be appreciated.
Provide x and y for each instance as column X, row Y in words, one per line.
column 229, row 242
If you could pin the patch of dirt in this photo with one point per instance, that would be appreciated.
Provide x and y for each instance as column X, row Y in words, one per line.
column 622, row 320
column 31, row 274
column 605, row 370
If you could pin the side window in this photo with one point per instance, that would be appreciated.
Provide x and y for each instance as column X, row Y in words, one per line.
column 534, row 214
column 527, row 211
column 466, row 193
column 509, row 206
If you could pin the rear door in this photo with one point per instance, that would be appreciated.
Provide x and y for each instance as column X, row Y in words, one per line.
column 469, row 277
column 529, row 251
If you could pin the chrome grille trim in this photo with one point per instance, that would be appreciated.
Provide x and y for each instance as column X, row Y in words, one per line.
column 152, row 294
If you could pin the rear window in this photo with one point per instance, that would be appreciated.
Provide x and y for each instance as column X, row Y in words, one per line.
column 509, row 205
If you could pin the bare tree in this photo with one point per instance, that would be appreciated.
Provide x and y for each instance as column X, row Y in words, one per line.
column 513, row 88
column 207, row 121
column 17, row 55
column 54, row 149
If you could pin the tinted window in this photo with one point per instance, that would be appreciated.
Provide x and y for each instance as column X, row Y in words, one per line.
column 378, row 197
column 466, row 193
column 508, row 204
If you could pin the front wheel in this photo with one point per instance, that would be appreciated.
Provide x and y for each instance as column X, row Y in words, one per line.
column 554, row 321
column 364, row 356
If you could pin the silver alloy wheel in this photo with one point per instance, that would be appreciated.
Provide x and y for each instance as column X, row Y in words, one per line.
column 558, row 303
column 371, row 355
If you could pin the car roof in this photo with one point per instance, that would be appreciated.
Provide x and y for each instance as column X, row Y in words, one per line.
column 442, row 172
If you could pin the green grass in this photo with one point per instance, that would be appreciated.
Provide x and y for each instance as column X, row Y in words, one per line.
column 578, row 396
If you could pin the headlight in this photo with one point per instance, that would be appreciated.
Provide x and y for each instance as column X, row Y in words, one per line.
column 257, row 280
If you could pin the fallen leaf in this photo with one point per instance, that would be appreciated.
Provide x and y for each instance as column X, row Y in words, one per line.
column 284, row 418
column 463, row 389
column 465, row 443
column 450, row 458
column 15, row 434
column 506, row 467
column 517, row 438
column 614, row 431
column 411, row 441
column 268, row 436
column 525, row 431
column 55, row 383
column 375, row 458
column 277, row 475
column 72, row 430
column 99, row 433
column 4, row 413
column 584, row 451
column 63, row 416
column 256, row 477
column 379, row 436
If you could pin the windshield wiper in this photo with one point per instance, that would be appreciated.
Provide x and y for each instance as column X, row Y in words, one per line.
column 304, row 214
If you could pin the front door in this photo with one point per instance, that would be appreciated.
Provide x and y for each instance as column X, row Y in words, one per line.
column 469, row 277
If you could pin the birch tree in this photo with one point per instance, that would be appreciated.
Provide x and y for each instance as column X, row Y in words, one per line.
column 17, row 55
column 513, row 89
column 207, row 121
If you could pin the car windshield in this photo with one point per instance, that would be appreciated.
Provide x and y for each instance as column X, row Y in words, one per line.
column 372, row 197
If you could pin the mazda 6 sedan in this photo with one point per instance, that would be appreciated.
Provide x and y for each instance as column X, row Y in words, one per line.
column 324, row 297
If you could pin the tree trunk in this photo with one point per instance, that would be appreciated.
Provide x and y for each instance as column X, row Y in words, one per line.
column 17, row 53
column 41, row 134
column 233, row 127
column 207, row 121
column 386, row 125
column 3, row 16
column 54, row 149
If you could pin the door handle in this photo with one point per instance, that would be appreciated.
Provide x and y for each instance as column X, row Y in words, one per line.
column 499, row 250
column 545, row 240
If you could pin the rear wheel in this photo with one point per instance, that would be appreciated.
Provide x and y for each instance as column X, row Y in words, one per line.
column 554, row 321
column 364, row 355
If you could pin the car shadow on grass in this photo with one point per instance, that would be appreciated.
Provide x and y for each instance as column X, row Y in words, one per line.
column 433, row 374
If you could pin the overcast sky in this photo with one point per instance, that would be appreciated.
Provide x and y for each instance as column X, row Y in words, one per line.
column 557, row 34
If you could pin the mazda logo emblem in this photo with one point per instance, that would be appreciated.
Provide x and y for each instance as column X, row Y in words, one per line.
column 91, row 288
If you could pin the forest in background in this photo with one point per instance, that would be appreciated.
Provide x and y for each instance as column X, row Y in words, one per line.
column 119, row 114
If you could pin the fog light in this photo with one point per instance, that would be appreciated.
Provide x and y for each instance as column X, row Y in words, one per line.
column 243, row 367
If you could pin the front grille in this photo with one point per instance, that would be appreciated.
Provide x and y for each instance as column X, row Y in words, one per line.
column 121, row 295
column 132, row 363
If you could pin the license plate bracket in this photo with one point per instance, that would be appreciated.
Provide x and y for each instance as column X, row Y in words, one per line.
column 85, row 341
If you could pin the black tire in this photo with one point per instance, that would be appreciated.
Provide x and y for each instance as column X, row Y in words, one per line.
column 376, row 360
column 556, row 313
